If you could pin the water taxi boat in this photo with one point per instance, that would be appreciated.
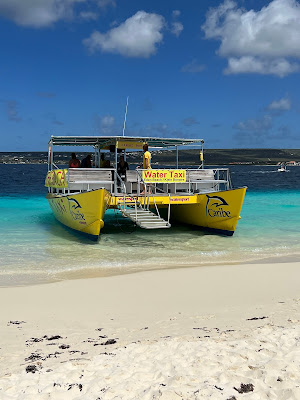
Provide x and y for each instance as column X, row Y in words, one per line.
column 151, row 198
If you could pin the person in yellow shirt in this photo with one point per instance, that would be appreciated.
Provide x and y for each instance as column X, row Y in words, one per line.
column 146, row 162
column 146, row 157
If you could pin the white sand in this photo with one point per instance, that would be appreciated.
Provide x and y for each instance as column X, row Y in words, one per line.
column 194, row 333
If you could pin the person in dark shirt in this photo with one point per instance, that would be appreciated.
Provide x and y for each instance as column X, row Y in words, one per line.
column 102, row 161
column 86, row 162
column 122, row 167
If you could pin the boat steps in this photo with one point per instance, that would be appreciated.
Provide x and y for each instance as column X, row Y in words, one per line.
column 144, row 218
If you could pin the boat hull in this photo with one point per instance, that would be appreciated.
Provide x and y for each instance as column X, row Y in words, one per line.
column 82, row 212
column 217, row 212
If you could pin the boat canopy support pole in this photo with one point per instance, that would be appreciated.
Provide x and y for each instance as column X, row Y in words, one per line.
column 96, row 156
column 115, row 174
column 50, row 156
column 177, row 157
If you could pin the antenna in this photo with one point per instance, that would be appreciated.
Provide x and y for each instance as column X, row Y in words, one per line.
column 125, row 116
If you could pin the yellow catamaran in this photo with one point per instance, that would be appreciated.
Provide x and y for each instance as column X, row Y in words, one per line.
column 152, row 198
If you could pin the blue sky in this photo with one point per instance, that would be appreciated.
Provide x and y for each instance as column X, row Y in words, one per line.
column 227, row 72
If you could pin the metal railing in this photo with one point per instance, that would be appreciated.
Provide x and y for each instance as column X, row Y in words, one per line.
column 148, row 191
column 197, row 181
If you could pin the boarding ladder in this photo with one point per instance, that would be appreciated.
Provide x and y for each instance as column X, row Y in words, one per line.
column 141, row 215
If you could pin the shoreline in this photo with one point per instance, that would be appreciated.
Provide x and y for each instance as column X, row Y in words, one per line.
column 190, row 332
column 99, row 273
column 165, row 163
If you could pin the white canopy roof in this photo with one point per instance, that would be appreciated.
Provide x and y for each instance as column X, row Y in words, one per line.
column 103, row 141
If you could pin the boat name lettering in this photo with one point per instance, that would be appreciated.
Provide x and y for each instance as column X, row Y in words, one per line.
column 218, row 213
column 215, row 207
column 74, row 208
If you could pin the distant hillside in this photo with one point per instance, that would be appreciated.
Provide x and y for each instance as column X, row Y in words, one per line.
column 241, row 156
column 168, row 157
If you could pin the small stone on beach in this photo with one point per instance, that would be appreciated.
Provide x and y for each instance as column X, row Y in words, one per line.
column 64, row 346
column 31, row 368
column 53, row 337
column 245, row 388
column 109, row 341
column 16, row 322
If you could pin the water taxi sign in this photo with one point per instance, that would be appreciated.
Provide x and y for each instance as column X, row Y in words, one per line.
column 123, row 144
column 164, row 175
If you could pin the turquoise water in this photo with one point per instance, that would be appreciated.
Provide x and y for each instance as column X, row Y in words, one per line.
column 35, row 248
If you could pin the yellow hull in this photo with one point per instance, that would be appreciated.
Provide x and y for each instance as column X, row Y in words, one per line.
column 82, row 212
column 217, row 211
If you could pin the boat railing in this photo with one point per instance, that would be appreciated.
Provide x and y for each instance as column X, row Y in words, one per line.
column 165, row 193
column 196, row 181
column 81, row 179
column 55, row 166
column 201, row 181
column 151, row 189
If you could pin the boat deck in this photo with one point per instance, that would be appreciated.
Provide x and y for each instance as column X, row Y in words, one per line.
column 195, row 181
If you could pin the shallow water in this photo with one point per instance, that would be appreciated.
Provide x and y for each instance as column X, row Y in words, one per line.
column 35, row 248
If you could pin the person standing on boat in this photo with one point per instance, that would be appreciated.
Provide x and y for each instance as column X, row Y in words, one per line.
column 146, row 157
column 86, row 162
column 122, row 167
column 102, row 161
column 74, row 162
column 146, row 162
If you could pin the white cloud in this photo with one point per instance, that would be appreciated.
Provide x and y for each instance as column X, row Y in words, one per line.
column 264, row 41
column 176, row 13
column 36, row 13
column 88, row 15
column 107, row 121
column 190, row 121
column 193, row 67
column 176, row 28
column 106, row 3
column 283, row 104
column 105, row 124
column 256, row 65
column 138, row 36
column 12, row 110
column 43, row 13
column 160, row 129
column 255, row 125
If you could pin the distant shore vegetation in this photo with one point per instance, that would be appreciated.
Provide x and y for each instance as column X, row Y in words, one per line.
column 168, row 157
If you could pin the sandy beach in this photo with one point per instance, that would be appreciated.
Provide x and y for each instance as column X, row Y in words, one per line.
column 220, row 332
